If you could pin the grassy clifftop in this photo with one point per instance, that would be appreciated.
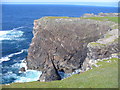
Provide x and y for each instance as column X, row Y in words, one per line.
column 113, row 19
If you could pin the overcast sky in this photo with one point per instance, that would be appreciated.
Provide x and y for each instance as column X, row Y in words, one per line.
column 59, row 0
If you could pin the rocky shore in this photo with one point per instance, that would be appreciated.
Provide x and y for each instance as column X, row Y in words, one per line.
column 66, row 44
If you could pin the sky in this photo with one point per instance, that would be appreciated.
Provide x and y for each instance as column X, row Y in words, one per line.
column 59, row 1
column 113, row 3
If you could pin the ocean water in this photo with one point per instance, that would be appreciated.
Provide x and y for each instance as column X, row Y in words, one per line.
column 16, row 34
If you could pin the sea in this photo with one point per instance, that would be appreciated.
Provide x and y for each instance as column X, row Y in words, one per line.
column 16, row 34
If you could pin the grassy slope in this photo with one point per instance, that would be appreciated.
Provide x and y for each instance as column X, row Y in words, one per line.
column 105, row 76
column 113, row 19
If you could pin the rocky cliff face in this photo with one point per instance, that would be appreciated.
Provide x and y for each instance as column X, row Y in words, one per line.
column 62, row 44
column 103, row 48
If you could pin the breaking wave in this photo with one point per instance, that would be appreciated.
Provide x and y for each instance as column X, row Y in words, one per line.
column 7, row 58
column 13, row 34
column 29, row 75
column 14, row 75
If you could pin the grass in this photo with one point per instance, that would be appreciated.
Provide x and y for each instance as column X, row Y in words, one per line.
column 113, row 19
column 56, row 17
column 108, row 36
column 51, row 17
column 105, row 76
column 115, row 27
column 96, row 44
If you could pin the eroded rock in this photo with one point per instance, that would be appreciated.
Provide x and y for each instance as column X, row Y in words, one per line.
column 104, row 47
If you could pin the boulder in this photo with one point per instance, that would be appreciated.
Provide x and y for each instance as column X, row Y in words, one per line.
column 22, row 69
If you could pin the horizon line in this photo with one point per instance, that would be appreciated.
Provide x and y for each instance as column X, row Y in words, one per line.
column 60, row 2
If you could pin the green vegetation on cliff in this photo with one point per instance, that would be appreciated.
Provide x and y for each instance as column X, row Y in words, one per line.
column 113, row 19
column 96, row 44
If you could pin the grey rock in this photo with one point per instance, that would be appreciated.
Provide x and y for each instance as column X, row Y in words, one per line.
column 22, row 69
column 103, row 48
column 101, row 15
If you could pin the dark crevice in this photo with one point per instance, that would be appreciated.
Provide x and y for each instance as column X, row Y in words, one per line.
column 56, row 71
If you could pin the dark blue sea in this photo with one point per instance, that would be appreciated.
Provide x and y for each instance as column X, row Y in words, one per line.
column 16, row 34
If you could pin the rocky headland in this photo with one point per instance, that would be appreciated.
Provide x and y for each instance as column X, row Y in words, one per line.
column 66, row 44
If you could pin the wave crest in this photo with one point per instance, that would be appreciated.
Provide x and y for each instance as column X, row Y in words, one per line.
column 7, row 58
column 13, row 34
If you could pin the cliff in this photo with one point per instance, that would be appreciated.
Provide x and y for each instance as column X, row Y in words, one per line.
column 66, row 44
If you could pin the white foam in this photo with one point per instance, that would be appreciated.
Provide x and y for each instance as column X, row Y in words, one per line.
column 9, row 75
column 28, row 76
column 18, row 28
column 4, row 59
column 20, row 65
column 7, row 58
column 13, row 34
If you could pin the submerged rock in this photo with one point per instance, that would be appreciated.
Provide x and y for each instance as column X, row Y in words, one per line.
column 60, row 44
column 22, row 69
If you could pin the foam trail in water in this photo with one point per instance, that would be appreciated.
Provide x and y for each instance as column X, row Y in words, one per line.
column 7, row 58
column 18, row 28
column 13, row 34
